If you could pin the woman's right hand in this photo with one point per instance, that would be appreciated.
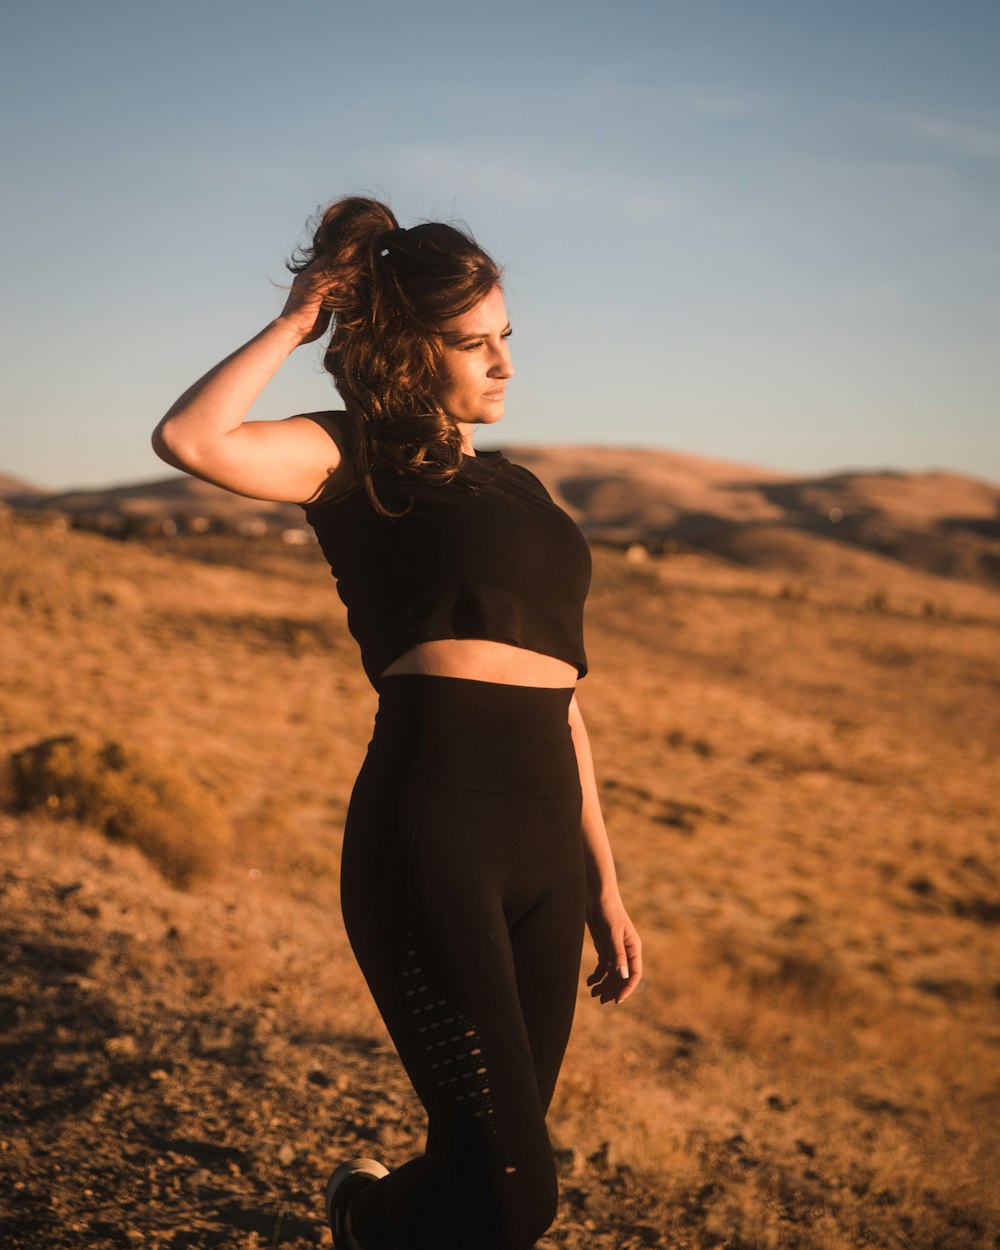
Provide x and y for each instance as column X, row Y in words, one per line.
column 303, row 312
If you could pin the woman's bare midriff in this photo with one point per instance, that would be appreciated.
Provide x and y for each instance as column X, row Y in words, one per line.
column 477, row 659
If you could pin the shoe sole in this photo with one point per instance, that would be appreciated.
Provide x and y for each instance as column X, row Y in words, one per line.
column 353, row 1167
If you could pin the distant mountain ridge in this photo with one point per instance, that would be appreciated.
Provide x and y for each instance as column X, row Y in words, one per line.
column 944, row 522
column 162, row 497
column 17, row 486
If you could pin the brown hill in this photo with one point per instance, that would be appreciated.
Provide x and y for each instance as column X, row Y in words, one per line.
column 18, row 487
column 178, row 495
column 945, row 523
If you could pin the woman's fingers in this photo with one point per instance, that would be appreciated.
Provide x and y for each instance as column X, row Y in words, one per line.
column 619, row 963
column 304, row 305
column 599, row 973
column 632, row 946
column 609, row 988
column 604, row 980
column 621, row 960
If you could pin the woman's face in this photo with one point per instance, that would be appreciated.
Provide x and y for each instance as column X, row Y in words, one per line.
column 476, row 364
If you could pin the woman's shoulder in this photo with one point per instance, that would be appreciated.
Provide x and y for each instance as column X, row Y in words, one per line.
column 519, row 476
column 337, row 426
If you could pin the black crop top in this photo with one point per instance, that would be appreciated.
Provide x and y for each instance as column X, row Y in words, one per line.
column 500, row 561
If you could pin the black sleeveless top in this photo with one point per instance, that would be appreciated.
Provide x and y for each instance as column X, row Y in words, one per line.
column 488, row 555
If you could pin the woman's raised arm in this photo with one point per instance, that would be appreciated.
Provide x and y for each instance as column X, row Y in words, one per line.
column 206, row 433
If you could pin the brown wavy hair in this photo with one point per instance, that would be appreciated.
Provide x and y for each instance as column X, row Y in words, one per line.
column 392, row 288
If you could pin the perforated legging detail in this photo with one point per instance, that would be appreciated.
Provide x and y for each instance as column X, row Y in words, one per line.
column 463, row 891
column 448, row 1040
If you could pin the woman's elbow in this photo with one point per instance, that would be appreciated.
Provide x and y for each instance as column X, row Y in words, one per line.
column 168, row 446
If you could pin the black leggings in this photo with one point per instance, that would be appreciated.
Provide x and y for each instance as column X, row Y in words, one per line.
column 463, row 891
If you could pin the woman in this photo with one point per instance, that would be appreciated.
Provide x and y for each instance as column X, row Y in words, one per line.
column 474, row 848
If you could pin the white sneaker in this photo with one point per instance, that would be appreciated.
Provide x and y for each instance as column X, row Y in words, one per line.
column 344, row 1183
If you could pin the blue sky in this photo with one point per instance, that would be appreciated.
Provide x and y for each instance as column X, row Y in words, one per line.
column 766, row 232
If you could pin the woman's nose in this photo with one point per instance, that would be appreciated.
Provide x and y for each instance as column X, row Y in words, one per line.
column 502, row 366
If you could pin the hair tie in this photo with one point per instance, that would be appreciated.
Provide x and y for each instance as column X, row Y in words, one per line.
column 391, row 238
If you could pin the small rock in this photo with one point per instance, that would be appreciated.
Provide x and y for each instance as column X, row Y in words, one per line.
column 570, row 1162
column 121, row 1047
column 390, row 1136
column 286, row 1154
column 604, row 1156
column 596, row 1203
column 921, row 885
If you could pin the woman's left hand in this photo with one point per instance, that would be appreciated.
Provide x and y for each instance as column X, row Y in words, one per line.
column 619, row 949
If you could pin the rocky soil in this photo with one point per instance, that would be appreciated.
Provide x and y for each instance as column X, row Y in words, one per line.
column 140, row 1110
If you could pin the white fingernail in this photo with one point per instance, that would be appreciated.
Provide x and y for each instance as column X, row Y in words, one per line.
column 623, row 972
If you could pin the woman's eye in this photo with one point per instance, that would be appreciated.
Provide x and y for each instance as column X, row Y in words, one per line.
column 471, row 347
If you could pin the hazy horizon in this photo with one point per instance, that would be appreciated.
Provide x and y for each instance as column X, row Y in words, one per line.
column 166, row 472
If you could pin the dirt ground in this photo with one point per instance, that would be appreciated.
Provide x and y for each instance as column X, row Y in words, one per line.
column 799, row 774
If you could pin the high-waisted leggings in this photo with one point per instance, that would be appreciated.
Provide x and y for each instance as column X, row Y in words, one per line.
column 463, row 892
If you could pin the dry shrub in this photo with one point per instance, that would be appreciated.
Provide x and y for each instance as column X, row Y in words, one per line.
column 52, row 577
column 799, row 979
column 129, row 796
column 797, row 975
column 644, row 1127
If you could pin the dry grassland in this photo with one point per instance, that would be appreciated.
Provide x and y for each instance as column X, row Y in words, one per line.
column 799, row 774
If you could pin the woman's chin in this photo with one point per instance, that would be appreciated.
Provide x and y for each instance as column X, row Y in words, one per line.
column 480, row 418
